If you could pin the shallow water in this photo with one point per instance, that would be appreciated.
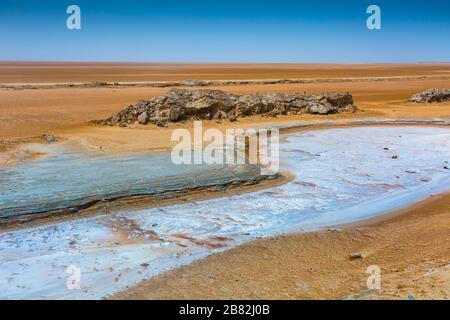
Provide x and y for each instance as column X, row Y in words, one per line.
column 69, row 180
column 341, row 175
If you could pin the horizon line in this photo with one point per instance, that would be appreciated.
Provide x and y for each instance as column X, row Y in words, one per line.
column 217, row 62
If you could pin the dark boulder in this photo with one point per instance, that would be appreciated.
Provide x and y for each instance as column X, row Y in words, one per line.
column 432, row 95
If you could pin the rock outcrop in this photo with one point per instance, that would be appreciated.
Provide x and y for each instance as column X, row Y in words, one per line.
column 178, row 105
column 432, row 95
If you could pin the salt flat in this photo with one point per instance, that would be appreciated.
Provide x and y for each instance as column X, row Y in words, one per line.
column 341, row 176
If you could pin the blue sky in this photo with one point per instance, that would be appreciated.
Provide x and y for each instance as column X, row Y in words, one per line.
column 226, row 31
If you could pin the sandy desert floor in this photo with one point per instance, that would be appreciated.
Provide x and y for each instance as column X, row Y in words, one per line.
column 29, row 113
column 59, row 72
column 411, row 247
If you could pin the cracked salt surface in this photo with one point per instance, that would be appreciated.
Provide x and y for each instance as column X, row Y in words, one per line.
column 341, row 175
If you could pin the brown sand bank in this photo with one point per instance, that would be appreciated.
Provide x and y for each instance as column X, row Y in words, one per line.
column 411, row 247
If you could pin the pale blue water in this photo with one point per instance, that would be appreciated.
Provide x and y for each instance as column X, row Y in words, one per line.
column 70, row 180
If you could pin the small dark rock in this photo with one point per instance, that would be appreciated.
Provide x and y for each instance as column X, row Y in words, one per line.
column 49, row 138
column 143, row 118
column 356, row 255
column 162, row 123
column 99, row 84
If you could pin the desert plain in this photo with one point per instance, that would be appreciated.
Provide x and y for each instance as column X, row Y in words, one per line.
column 411, row 245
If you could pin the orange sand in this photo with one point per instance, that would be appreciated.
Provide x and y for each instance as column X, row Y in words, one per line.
column 62, row 72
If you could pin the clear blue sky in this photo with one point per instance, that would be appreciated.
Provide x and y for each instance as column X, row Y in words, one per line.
column 226, row 31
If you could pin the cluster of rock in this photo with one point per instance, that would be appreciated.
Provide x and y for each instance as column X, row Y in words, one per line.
column 99, row 84
column 178, row 105
column 204, row 83
column 432, row 95
column 49, row 138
